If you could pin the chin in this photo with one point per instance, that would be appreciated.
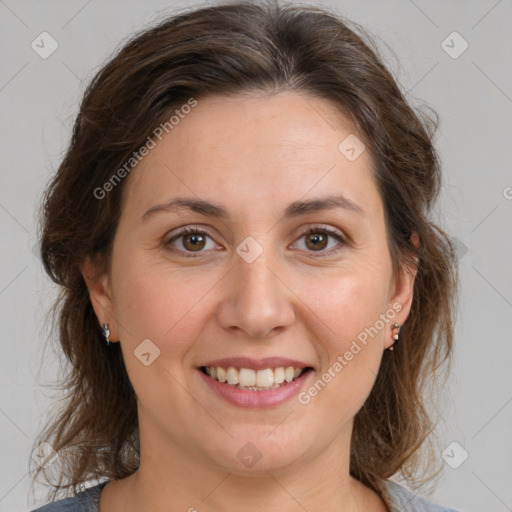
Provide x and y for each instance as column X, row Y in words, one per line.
column 256, row 451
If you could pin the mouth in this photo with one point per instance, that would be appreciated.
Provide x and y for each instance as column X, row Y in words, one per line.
column 251, row 379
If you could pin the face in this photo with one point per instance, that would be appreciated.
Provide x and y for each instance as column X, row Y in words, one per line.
column 270, row 284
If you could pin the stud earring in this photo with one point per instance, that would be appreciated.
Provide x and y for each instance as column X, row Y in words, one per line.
column 106, row 332
column 394, row 325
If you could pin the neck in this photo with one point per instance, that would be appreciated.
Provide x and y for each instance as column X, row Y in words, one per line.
column 186, row 481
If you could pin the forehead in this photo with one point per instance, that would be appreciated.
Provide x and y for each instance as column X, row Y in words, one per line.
column 285, row 123
column 255, row 149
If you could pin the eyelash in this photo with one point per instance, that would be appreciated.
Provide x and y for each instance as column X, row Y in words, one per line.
column 309, row 231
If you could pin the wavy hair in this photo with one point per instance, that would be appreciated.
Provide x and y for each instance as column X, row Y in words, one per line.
column 242, row 47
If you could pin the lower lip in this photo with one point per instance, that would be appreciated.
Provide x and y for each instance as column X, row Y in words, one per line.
column 256, row 399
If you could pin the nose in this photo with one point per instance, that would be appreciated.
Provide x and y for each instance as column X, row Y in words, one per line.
column 256, row 301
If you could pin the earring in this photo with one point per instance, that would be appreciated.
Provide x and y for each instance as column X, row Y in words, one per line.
column 394, row 325
column 106, row 332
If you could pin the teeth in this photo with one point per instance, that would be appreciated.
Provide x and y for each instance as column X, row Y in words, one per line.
column 265, row 378
column 232, row 375
column 279, row 375
column 254, row 380
column 221, row 374
column 247, row 377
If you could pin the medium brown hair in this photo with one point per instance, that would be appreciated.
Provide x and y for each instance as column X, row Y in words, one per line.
column 228, row 49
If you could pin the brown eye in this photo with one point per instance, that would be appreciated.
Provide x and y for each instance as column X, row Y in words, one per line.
column 316, row 241
column 189, row 240
column 194, row 241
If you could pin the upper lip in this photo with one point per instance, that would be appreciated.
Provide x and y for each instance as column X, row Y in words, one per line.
column 256, row 364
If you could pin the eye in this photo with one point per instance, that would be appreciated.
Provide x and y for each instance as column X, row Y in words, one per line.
column 316, row 239
column 192, row 240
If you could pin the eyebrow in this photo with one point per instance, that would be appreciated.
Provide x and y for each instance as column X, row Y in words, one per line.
column 294, row 209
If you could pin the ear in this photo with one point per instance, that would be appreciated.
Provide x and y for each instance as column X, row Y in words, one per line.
column 101, row 297
column 403, row 287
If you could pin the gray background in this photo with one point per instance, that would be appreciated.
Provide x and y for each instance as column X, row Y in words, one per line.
column 473, row 96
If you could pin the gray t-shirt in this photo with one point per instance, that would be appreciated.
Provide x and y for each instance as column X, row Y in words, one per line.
column 400, row 498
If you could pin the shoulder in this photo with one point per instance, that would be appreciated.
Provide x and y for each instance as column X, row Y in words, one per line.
column 403, row 500
column 85, row 501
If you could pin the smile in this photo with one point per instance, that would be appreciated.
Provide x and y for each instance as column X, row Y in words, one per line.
column 254, row 380
column 253, row 388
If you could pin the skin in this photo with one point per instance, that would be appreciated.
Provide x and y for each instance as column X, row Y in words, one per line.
column 254, row 154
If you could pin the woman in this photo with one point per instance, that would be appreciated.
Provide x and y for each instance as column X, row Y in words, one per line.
column 240, row 229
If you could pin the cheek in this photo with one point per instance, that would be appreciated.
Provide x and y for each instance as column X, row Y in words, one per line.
column 350, row 307
column 347, row 300
column 168, row 308
column 160, row 303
